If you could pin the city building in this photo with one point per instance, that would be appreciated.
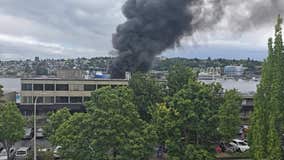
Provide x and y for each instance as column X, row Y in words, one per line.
column 234, row 71
column 247, row 107
column 56, row 93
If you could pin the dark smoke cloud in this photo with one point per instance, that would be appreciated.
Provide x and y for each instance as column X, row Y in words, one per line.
column 153, row 26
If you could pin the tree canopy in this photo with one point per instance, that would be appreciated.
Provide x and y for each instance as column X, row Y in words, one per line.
column 147, row 93
column 111, row 129
column 268, row 116
column 11, row 126
column 130, row 122
column 229, row 119
column 54, row 121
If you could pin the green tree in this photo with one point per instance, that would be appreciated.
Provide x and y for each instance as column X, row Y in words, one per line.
column 54, row 121
column 111, row 129
column 195, row 153
column 195, row 115
column 229, row 119
column 178, row 77
column 164, row 121
column 11, row 126
column 1, row 91
column 1, row 95
column 75, row 136
column 27, row 69
column 274, row 149
column 147, row 93
column 266, row 121
column 41, row 68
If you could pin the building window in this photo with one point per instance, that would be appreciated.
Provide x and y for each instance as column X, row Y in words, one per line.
column 114, row 86
column 38, row 100
column 90, row 87
column 49, row 87
column 27, row 87
column 27, row 100
column 75, row 99
column 38, row 87
column 49, row 100
column 62, row 100
column 101, row 86
column 76, row 87
column 86, row 99
column 62, row 87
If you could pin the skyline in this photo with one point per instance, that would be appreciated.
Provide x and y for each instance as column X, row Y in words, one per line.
column 71, row 29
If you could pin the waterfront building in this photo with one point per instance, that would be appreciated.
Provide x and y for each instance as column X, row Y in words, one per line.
column 234, row 71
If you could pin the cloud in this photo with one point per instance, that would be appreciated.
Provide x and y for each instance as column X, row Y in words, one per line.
column 67, row 28
column 72, row 28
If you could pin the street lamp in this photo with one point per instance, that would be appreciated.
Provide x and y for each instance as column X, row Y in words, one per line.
column 35, row 127
column 35, row 150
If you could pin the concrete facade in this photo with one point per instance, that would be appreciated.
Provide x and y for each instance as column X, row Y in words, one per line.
column 53, row 94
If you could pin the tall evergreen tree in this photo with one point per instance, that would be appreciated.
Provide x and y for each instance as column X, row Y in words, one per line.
column 266, row 120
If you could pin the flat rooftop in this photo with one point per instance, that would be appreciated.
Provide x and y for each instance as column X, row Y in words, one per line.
column 60, row 79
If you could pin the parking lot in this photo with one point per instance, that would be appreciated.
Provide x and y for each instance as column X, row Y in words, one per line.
column 41, row 143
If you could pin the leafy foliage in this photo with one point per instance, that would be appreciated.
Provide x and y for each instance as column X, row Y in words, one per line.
column 147, row 93
column 1, row 94
column 229, row 119
column 185, row 122
column 54, row 121
column 252, row 66
column 112, row 129
column 196, row 121
column 11, row 125
column 178, row 77
column 268, row 117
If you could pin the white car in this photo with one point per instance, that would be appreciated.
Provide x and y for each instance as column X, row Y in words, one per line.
column 4, row 156
column 56, row 152
column 241, row 145
column 39, row 133
column 28, row 133
column 22, row 153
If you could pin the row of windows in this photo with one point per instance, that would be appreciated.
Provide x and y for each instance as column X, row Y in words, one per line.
column 61, row 87
column 52, row 100
column 46, row 87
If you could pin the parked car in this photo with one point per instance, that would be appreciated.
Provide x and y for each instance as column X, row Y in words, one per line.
column 4, row 155
column 45, row 150
column 39, row 133
column 56, row 152
column 230, row 148
column 29, row 133
column 240, row 145
column 22, row 153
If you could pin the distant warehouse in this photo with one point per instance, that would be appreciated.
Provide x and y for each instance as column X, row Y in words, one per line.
column 55, row 93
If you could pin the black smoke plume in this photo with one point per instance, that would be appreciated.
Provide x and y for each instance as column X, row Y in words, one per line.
column 153, row 26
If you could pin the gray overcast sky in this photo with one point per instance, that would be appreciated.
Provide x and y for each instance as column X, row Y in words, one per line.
column 84, row 28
